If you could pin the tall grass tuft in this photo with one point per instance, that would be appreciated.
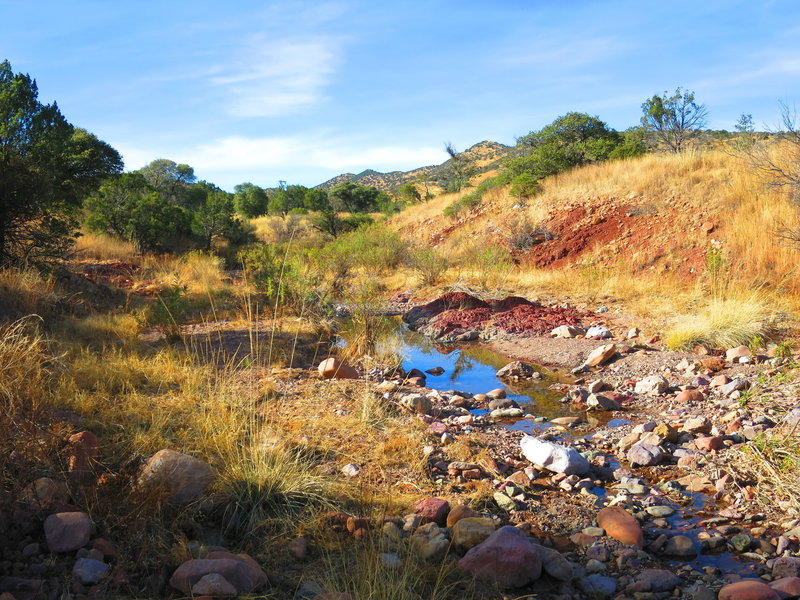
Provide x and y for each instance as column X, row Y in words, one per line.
column 266, row 486
column 728, row 322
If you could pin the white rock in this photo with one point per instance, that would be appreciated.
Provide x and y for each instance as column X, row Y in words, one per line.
column 553, row 457
column 567, row 331
column 598, row 331
column 654, row 384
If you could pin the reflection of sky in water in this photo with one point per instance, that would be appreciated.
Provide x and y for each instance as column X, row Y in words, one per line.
column 472, row 369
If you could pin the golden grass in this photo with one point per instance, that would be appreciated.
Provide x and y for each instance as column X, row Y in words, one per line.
column 104, row 247
column 26, row 292
column 727, row 322
column 23, row 357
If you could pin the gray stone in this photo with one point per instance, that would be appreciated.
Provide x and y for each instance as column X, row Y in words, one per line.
column 516, row 369
column 644, row 455
column 184, row 478
column 598, row 331
column 554, row 457
column 89, row 571
column 417, row 403
column 598, row 586
column 67, row 531
column 679, row 546
column 599, row 402
column 554, row 564
column 735, row 385
column 430, row 542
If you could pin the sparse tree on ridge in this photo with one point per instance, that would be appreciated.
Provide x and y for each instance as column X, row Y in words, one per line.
column 674, row 119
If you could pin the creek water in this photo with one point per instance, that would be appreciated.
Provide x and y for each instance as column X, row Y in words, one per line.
column 472, row 367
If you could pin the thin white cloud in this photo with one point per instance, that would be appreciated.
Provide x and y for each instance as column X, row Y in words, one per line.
column 274, row 77
column 238, row 154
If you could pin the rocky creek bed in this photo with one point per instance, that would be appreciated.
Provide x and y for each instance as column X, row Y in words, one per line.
column 654, row 499
column 644, row 475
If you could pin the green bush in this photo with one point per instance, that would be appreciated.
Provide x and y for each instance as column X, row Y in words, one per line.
column 429, row 265
column 465, row 204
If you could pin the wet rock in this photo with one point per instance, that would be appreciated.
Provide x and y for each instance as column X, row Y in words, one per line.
column 660, row 511
column 507, row 557
column 679, row 546
column 598, row 586
column 787, row 587
column 654, row 384
column 786, row 566
column 89, row 571
column 471, row 531
column 748, row 589
column 432, row 510
column 599, row 402
column 600, row 355
column 67, row 531
column 741, row 542
column 506, row 413
column 184, row 478
column 654, row 580
column 333, row 368
column 645, row 455
column 435, row 371
column 621, row 525
column 497, row 394
column 516, row 370
column 502, row 403
column 553, row 457
column 430, row 542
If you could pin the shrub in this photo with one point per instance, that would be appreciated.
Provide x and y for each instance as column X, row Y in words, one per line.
column 524, row 234
column 429, row 265
column 466, row 203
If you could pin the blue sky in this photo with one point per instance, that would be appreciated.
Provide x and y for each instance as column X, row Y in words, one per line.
column 303, row 91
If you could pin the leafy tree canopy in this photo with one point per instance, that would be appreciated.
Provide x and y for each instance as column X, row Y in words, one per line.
column 46, row 168
column 674, row 119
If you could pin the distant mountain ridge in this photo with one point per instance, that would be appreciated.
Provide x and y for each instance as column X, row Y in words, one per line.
column 483, row 156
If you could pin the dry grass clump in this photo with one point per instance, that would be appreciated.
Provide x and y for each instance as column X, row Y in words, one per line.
column 26, row 292
column 771, row 462
column 199, row 273
column 104, row 247
column 728, row 322
column 366, row 572
column 23, row 376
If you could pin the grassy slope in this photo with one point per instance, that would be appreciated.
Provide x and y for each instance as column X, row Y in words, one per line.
column 633, row 231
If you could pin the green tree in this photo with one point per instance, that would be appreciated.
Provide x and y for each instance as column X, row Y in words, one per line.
column 408, row 193
column 352, row 197
column 212, row 216
column 156, row 224
column 316, row 199
column 249, row 200
column 47, row 166
column 571, row 140
column 109, row 211
column 674, row 119
column 170, row 179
